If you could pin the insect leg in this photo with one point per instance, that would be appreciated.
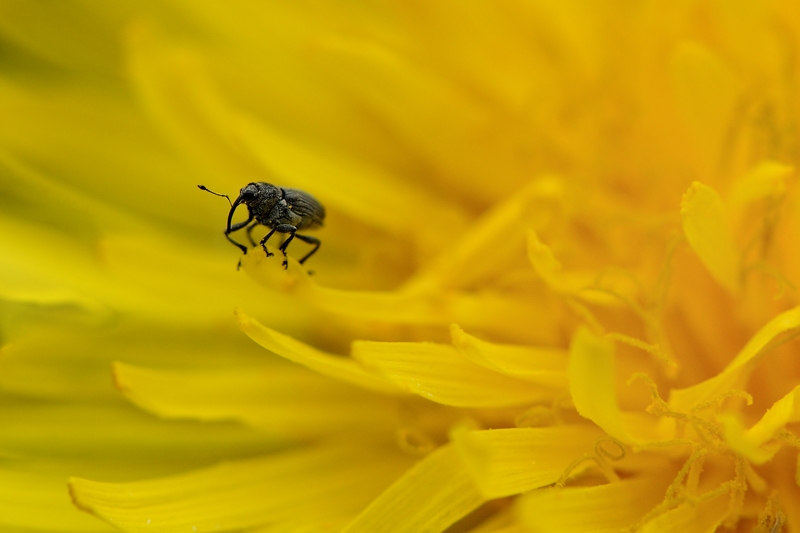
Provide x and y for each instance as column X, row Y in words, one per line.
column 310, row 240
column 286, row 228
column 235, row 227
column 264, row 242
column 240, row 225
column 242, row 247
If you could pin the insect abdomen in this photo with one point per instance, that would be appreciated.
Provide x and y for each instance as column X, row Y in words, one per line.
column 306, row 206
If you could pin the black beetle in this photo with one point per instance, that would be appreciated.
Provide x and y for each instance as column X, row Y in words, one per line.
column 279, row 208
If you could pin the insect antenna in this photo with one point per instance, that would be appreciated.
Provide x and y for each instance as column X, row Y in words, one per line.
column 203, row 188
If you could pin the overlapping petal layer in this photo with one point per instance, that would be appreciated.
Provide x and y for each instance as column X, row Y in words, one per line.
column 433, row 495
column 511, row 461
column 255, row 396
column 602, row 508
column 440, row 373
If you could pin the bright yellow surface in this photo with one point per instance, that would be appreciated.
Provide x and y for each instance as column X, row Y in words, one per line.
column 557, row 288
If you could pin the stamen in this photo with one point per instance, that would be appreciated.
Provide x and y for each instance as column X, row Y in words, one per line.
column 586, row 315
column 599, row 458
column 653, row 349
column 738, row 491
column 658, row 406
column 772, row 518
column 601, row 450
column 675, row 487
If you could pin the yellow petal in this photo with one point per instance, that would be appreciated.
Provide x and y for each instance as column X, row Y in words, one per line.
column 606, row 508
column 70, row 36
column 107, row 258
column 547, row 266
column 124, row 273
column 749, row 442
column 52, row 362
column 436, row 116
column 738, row 369
column 338, row 367
column 316, row 484
column 32, row 274
column 259, row 397
column 500, row 522
column 747, row 34
column 541, row 365
column 784, row 411
column 434, row 494
column 767, row 179
column 736, row 437
column 35, row 196
column 493, row 244
column 706, row 91
column 186, row 101
column 577, row 284
column 37, row 502
column 115, row 428
column 365, row 193
column 703, row 517
column 149, row 180
column 139, row 260
column 502, row 313
column 708, row 233
column 172, row 88
column 510, row 461
column 110, row 467
column 592, row 384
column 300, row 526
column 438, row 372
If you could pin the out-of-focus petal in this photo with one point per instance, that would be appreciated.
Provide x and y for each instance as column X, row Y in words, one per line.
column 500, row 312
column 425, row 108
column 706, row 91
column 317, row 484
column 49, row 361
column 367, row 194
column 767, row 179
column 38, row 503
column 116, row 167
column 42, row 430
column 706, row 229
column 495, row 243
column 574, row 284
column 175, row 87
column 74, row 36
column 258, row 396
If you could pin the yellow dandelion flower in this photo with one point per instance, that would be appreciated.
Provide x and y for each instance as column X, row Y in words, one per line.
column 556, row 289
